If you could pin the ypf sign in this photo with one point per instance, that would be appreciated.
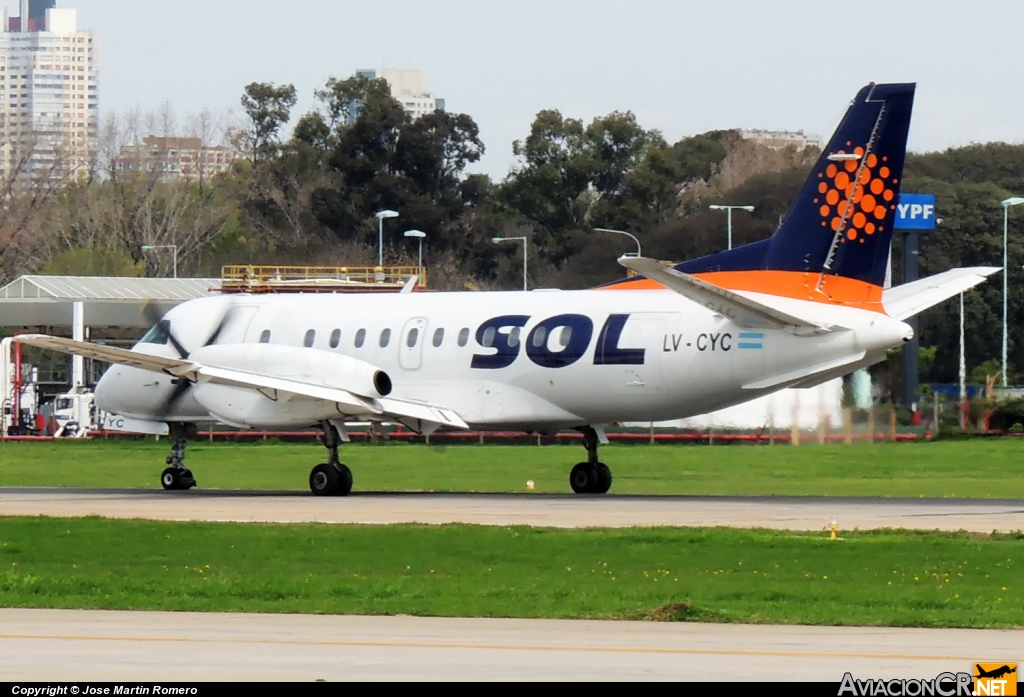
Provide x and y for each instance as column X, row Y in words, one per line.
column 915, row 212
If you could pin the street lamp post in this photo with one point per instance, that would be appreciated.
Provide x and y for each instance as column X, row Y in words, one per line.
column 380, row 234
column 173, row 247
column 419, row 235
column 1012, row 201
column 507, row 239
column 620, row 232
column 728, row 209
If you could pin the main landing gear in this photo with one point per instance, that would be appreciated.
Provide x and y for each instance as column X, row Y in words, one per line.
column 177, row 476
column 592, row 476
column 331, row 478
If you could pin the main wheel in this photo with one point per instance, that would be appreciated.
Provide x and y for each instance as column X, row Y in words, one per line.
column 584, row 478
column 171, row 478
column 323, row 480
column 185, row 479
column 604, row 478
column 344, row 481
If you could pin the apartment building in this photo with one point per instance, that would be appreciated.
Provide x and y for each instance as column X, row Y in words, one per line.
column 408, row 87
column 49, row 108
column 177, row 158
column 782, row 139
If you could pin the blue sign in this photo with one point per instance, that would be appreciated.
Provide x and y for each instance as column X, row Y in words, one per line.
column 915, row 212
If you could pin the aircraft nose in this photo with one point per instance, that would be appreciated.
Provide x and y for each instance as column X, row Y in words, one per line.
column 106, row 388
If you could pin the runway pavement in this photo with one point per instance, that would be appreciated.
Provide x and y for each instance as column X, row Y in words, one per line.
column 79, row 645
column 784, row 513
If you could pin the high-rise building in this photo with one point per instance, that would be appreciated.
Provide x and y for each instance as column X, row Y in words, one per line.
column 407, row 87
column 48, row 93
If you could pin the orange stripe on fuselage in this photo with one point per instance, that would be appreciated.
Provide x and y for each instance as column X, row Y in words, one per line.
column 801, row 285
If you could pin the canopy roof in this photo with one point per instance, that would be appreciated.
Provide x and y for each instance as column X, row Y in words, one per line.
column 47, row 301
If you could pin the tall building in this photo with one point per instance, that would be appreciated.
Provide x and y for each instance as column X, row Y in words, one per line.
column 407, row 87
column 49, row 110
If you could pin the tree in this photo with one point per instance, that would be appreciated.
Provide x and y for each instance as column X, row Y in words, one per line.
column 268, row 109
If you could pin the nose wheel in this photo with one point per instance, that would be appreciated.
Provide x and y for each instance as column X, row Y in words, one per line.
column 177, row 476
column 592, row 476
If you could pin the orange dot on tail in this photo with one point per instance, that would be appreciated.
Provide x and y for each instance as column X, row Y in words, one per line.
column 830, row 171
column 842, row 180
column 822, row 187
column 832, row 197
column 877, row 186
column 848, row 143
column 857, row 194
column 872, row 160
column 885, row 158
column 851, row 165
column 880, row 212
column 870, row 228
column 888, row 195
column 868, row 203
column 865, row 176
column 862, row 240
column 852, row 234
column 835, row 223
column 824, row 211
column 859, row 219
column 884, row 173
column 858, row 151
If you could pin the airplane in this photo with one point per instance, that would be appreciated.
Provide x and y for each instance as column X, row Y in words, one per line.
column 995, row 673
column 802, row 307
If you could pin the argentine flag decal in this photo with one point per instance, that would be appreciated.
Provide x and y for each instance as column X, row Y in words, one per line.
column 751, row 340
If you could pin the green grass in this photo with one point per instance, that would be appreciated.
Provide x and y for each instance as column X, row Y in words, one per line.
column 869, row 578
column 978, row 468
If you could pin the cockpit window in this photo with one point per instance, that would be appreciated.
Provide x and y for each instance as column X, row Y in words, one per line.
column 158, row 334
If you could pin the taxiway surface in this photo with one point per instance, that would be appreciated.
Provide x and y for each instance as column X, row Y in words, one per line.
column 78, row 645
column 566, row 511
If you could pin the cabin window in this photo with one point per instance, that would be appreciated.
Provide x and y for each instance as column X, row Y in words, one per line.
column 565, row 337
column 513, row 337
column 309, row 338
column 385, row 338
column 335, row 338
column 265, row 336
column 488, row 337
column 360, row 338
column 413, row 337
column 463, row 336
column 438, row 336
column 540, row 335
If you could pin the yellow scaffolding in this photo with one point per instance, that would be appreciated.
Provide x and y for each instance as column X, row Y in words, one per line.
column 248, row 277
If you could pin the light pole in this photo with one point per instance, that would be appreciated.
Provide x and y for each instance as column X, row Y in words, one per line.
column 728, row 209
column 174, row 247
column 620, row 232
column 496, row 240
column 380, row 234
column 1012, row 201
column 419, row 235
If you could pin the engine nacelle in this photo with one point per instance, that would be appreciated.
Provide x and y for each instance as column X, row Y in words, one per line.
column 247, row 407
column 307, row 365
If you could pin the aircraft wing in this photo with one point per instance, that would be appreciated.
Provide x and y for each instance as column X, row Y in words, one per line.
column 741, row 310
column 909, row 299
column 420, row 416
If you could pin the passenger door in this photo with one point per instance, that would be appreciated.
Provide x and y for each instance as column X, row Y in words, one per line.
column 410, row 349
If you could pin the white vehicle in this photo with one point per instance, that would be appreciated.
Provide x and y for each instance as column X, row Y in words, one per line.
column 75, row 414
column 797, row 309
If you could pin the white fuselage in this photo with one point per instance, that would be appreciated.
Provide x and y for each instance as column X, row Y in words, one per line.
column 506, row 359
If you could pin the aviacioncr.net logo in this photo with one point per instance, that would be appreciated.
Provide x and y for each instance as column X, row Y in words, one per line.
column 943, row 685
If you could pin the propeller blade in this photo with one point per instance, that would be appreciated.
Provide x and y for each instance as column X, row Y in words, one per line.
column 151, row 313
column 172, row 399
column 220, row 327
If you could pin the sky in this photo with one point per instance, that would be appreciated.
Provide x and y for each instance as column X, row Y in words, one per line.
column 682, row 67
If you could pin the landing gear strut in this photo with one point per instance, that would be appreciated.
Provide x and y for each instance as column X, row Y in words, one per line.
column 331, row 478
column 592, row 476
column 177, row 476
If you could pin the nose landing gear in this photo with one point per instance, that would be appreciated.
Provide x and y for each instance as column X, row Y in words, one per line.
column 592, row 476
column 331, row 478
column 177, row 476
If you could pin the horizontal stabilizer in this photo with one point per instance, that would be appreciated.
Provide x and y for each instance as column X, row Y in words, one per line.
column 909, row 299
column 743, row 311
